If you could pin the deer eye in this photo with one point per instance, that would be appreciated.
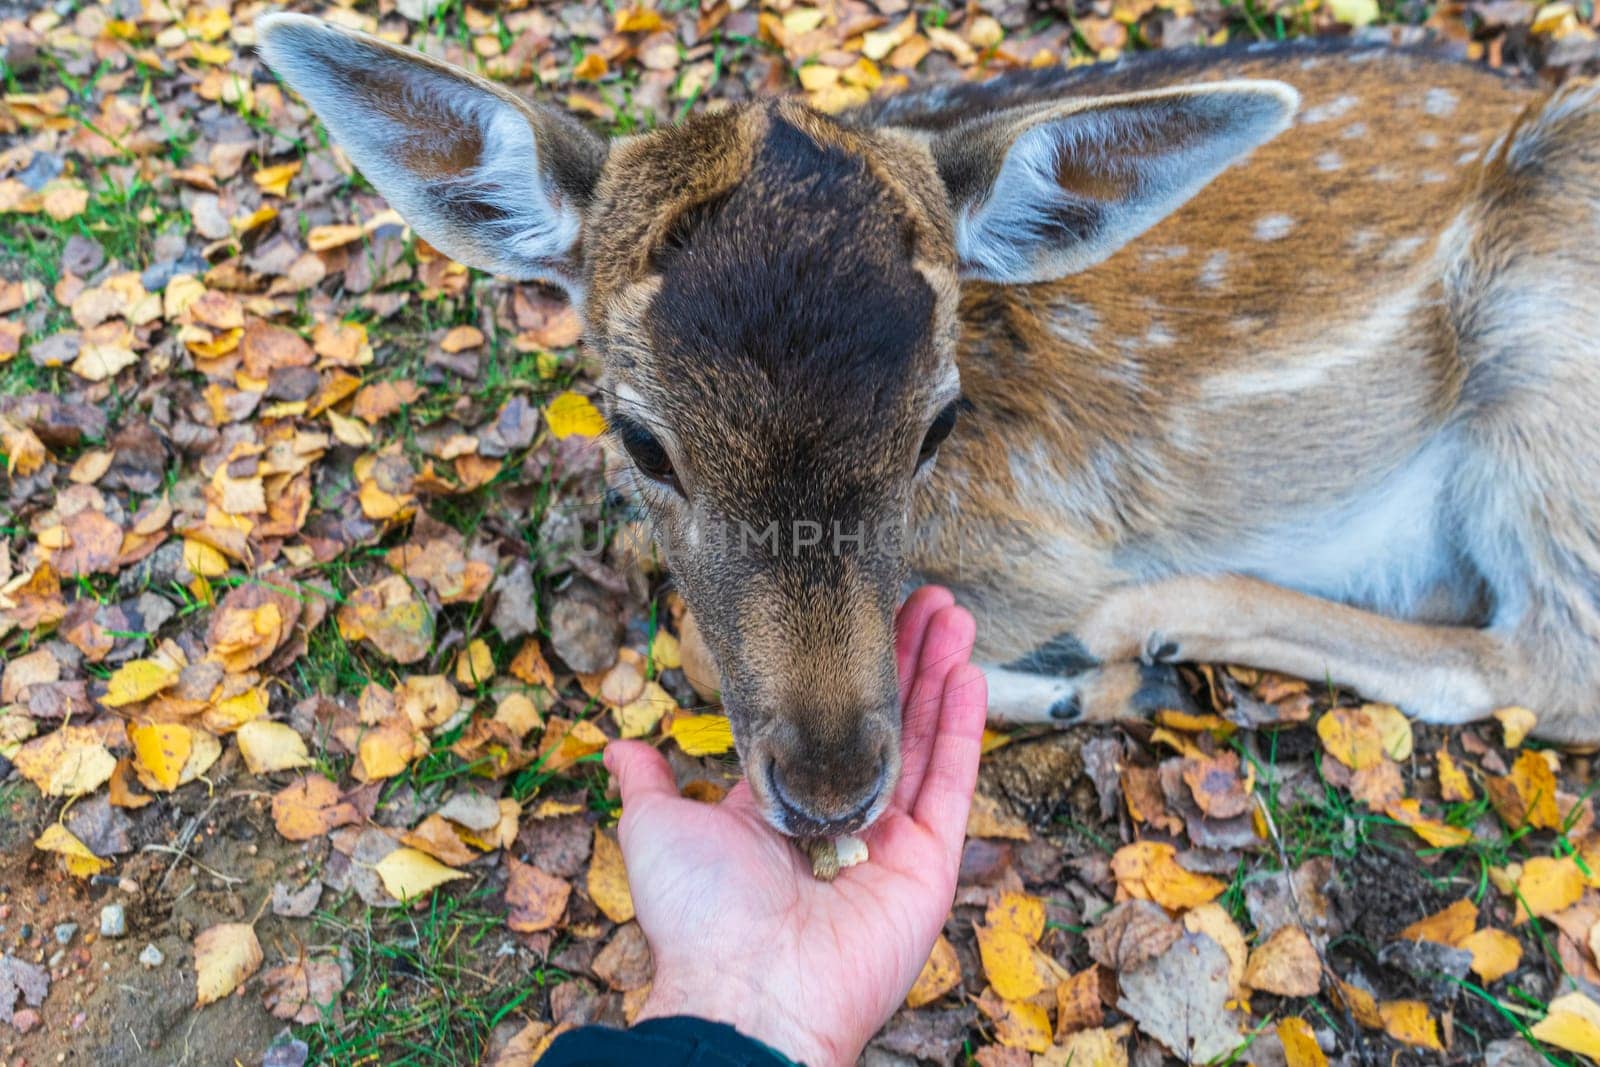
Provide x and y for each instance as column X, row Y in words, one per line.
column 942, row 424
column 646, row 452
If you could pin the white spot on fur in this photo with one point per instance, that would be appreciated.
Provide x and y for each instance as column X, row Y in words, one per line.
column 1427, row 139
column 1465, row 158
column 1333, row 109
column 1328, row 162
column 1163, row 255
column 1433, row 177
column 1273, row 227
column 1073, row 323
column 1363, row 239
column 1383, row 172
column 1402, row 250
column 1215, row 269
column 1439, row 102
column 1354, row 132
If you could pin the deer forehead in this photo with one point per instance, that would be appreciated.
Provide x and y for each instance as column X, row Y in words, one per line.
column 768, row 261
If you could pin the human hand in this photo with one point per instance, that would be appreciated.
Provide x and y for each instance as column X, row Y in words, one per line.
column 743, row 933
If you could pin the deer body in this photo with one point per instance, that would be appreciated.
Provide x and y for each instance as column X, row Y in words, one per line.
column 1277, row 356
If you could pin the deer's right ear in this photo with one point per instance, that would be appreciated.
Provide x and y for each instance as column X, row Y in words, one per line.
column 486, row 178
column 1041, row 192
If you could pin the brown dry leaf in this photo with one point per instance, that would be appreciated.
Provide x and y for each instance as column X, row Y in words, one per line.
column 70, row 762
column 224, row 957
column 940, row 974
column 437, row 836
column 461, row 338
column 310, row 808
column 1089, row 1048
column 1533, row 783
column 607, row 883
column 390, row 616
column 1216, row 785
column 1131, row 933
column 529, row 665
column 537, row 900
column 1078, row 1004
column 1410, row 1022
column 303, row 991
column 1285, row 964
column 987, row 818
column 1149, row 870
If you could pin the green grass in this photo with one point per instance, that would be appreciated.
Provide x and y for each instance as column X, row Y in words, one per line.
column 427, row 988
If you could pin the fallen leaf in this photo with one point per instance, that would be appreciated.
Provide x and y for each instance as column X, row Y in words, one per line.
column 161, row 751
column 304, row 991
column 1351, row 737
column 986, row 818
column 1495, row 953
column 1018, row 1024
column 408, row 873
column 1573, row 1024
column 80, row 862
column 1300, row 1048
column 390, row 616
column 702, row 735
column 70, row 762
column 138, row 680
column 1180, row 997
column 1453, row 784
column 1393, row 728
column 224, row 957
column 607, row 882
column 1285, row 964
column 310, row 808
column 1214, row 921
column 939, row 975
column 1408, row 812
column 1515, row 724
column 1447, row 927
column 1215, row 783
column 1149, row 870
column 1008, row 962
column 1089, row 1048
column 1410, row 1022
column 536, row 900
column 1547, row 885
column 570, row 414
column 271, row 746
column 1078, row 1004
column 475, row 664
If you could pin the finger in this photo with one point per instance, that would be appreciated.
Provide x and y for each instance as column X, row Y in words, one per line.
column 952, row 770
column 910, row 627
column 641, row 772
column 947, row 645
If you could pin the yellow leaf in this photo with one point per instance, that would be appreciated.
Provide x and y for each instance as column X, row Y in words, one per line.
column 638, row 718
column 322, row 238
column 230, row 713
column 1214, row 921
column 475, row 664
column 138, row 680
column 1453, row 784
column 592, row 67
column 1008, row 962
column 271, row 746
column 573, row 414
column 637, row 19
column 1409, row 1021
column 992, row 739
column 1023, row 1025
column 203, row 560
column 1495, row 953
column 1408, row 812
column 1447, row 927
column 385, row 751
column 1285, row 964
column 1300, row 1048
column 1352, row 737
column 1362, row 1005
column 1547, row 885
column 1354, row 12
column 608, row 879
column 1573, row 1024
column 1535, row 785
column 81, row 863
column 1099, row 1047
column 275, row 180
column 1393, row 728
column 70, row 762
column 224, row 956
column 1019, row 912
column 665, row 652
column 1516, row 722
column 408, row 872
column 160, row 750
column 702, row 735
column 940, row 974
column 1150, row 870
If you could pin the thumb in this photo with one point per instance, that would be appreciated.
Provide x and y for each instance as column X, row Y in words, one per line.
column 641, row 773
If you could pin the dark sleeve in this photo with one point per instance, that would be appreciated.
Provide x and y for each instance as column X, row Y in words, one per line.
column 676, row 1041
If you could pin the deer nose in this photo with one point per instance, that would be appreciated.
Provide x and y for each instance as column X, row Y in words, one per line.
column 803, row 817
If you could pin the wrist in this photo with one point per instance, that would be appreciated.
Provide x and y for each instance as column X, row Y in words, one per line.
column 745, row 1008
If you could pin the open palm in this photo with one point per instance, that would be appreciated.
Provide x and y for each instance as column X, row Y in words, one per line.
column 740, row 929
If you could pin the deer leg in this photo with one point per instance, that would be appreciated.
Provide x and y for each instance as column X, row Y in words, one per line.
column 1439, row 674
column 1093, row 694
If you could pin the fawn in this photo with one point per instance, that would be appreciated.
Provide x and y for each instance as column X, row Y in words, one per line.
column 1334, row 413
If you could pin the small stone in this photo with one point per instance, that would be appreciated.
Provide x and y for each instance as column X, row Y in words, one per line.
column 151, row 957
column 25, row 1020
column 113, row 921
column 64, row 932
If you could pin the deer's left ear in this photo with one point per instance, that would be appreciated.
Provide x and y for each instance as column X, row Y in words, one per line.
column 488, row 179
column 1045, row 191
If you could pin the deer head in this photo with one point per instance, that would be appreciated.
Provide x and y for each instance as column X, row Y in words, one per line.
column 773, row 296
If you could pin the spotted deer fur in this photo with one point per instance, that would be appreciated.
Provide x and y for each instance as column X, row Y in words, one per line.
column 1282, row 356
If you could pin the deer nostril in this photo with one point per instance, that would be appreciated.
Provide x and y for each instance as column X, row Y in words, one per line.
column 800, row 822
